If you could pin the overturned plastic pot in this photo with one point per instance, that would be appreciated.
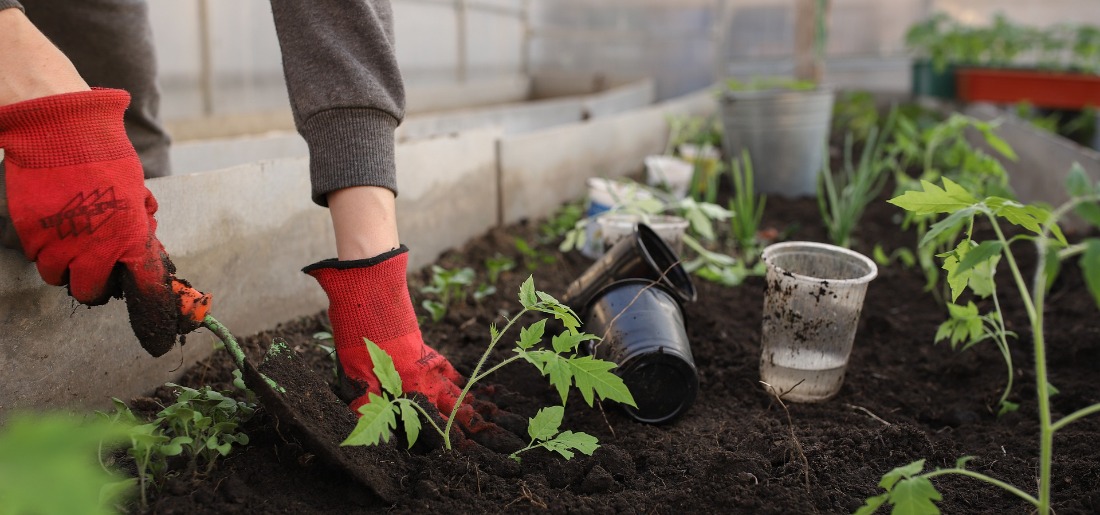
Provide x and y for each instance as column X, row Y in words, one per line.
column 642, row 330
column 642, row 255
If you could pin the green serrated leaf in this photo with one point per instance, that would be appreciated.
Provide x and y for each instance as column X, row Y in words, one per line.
column 984, row 252
column 568, row 341
column 872, row 504
column 905, row 471
column 531, row 335
column 1090, row 267
column 998, row 144
column 527, row 295
column 384, row 369
column 410, row 418
column 568, row 441
column 1077, row 182
column 948, row 225
column 933, row 199
column 559, row 372
column 544, row 425
column 378, row 420
column 594, row 376
column 914, row 496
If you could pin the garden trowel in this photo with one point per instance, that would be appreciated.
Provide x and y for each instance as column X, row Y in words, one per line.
column 296, row 397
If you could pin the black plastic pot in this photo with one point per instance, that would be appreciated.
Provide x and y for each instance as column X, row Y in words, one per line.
column 642, row 331
column 643, row 256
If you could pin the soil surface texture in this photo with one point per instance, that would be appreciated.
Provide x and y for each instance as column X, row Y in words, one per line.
column 737, row 449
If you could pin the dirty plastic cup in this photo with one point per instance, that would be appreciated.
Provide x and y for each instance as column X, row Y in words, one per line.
column 603, row 196
column 812, row 304
column 643, row 255
column 613, row 227
column 671, row 173
column 642, row 330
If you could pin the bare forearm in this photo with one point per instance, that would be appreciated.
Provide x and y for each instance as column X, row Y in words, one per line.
column 33, row 67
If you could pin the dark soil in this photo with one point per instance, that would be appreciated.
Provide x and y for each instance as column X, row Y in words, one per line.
column 736, row 450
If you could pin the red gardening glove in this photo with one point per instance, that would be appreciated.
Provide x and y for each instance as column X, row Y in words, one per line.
column 77, row 199
column 369, row 298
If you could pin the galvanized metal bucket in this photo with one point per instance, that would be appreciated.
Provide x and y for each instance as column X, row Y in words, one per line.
column 785, row 133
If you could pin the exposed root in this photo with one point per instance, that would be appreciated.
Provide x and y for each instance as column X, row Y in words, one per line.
column 866, row 412
column 790, row 426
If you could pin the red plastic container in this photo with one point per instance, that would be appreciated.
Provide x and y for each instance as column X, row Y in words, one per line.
column 1040, row 88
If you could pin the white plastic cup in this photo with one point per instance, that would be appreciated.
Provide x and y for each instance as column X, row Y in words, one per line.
column 812, row 303
column 671, row 173
column 614, row 227
column 603, row 196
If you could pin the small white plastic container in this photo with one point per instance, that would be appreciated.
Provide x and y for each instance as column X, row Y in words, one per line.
column 669, row 173
column 614, row 227
column 814, row 296
column 603, row 196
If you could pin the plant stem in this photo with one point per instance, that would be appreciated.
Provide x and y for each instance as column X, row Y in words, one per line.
column 1031, row 300
column 1073, row 417
column 234, row 348
column 475, row 374
column 474, row 379
column 982, row 477
column 1002, row 342
column 435, row 426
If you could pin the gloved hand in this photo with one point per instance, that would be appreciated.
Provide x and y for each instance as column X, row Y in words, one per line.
column 369, row 298
column 77, row 198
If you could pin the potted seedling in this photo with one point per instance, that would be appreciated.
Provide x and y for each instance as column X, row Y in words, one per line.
column 1061, row 73
column 933, row 67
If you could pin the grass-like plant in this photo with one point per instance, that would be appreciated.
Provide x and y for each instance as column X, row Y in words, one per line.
column 747, row 208
column 843, row 198
column 562, row 363
column 973, row 263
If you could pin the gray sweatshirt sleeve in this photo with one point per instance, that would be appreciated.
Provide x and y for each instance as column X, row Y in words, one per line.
column 346, row 91
column 7, row 4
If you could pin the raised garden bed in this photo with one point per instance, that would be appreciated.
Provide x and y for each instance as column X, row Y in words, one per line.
column 737, row 450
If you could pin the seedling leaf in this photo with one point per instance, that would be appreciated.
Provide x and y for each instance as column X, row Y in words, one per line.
column 892, row 477
column 947, row 224
column 872, row 504
column 569, row 341
column 1090, row 267
column 961, row 462
column 384, row 369
column 568, row 441
column 1077, row 182
column 527, row 295
column 593, row 375
column 985, row 251
column 531, row 335
column 546, row 422
column 934, row 199
column 411, row 420
column 376, row 423
column 914, row 496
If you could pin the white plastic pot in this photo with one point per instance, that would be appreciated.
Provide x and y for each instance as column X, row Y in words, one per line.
column 614, row 227
column 603, row 196
column 812, row 304
column 669, row 173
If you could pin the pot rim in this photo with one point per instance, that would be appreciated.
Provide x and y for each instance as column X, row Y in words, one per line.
column 771, row 250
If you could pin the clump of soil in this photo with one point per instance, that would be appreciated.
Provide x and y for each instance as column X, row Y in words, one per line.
column 735, row 450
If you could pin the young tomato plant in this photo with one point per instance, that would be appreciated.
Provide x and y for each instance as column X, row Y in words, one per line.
column 971, row 264
column 561, row 363
column 449, row 288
